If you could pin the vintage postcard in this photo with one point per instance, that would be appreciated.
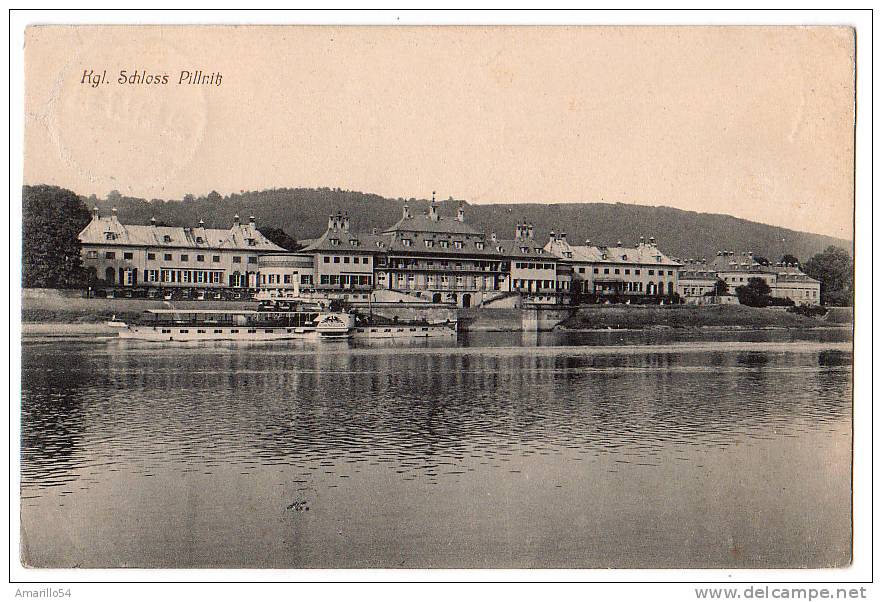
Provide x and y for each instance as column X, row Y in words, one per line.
column 421, row 297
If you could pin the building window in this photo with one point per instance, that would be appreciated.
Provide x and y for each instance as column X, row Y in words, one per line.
column 199, row 240
column 166, row 238
column 252, row 259
column 167, row 257
column 237, row 259
column 110, row 235
column 596, row 271
column 457, row 244
column 606, row 270
column 109, row 255
column 336, row 259
column 581, row 270
column 617, row 270
column 636, row 272
column 627, row 271
column 92, row 254
column 151, row 256
column 200, row 258
column 326, row 259
column 185, row 258
column 346, row 260
column 479, row 245
column 334, row 242
column 430, row 244
column 406, row 242
column 215, row 258
column 652, row 272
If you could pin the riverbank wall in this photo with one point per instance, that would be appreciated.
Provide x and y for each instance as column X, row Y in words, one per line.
column 72, row 310
column 634, row 317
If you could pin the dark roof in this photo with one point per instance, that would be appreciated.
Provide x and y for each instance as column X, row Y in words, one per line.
column 351, row 242
column 424, row 223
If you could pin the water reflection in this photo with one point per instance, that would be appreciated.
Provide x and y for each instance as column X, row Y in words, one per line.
column 446, row 418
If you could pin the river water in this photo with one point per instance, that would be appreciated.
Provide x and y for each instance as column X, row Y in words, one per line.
column 502, row 450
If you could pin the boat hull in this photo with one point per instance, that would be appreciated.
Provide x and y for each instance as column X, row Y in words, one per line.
column 146, row 333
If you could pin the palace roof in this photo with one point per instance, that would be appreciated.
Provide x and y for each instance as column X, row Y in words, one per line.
column 108, row 230
column 643, row 254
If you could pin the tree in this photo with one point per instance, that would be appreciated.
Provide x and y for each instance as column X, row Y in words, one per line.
column 756, row 294
column 720, row 288
column 52, row 219
column 788, row 259
column 761, row 260
column 834, row 268
column 214, row 197
column 281, row 238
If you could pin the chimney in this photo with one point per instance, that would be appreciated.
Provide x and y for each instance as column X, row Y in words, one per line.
column 201, row 222
column 236, row 221
column 618, row 243
column 345, row 224
column 95, row 213
column 642, row 241
column 529, row 230
column 332, row 225
column 153, row 220
column 252, row 222
column 374, row 231
column 563, row 236
column 405, row 212
column 553, row 237
column 460, row 213
column 652, row 240
column 587, row 242
column 493, row 236
column 113, row 213
column 433, row 209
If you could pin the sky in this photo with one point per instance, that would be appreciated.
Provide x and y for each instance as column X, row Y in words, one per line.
column 755, row 122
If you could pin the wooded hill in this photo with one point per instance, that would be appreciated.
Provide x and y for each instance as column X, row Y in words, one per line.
column 303, row 213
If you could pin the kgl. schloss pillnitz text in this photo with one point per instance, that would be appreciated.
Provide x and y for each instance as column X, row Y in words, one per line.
column 143, row 77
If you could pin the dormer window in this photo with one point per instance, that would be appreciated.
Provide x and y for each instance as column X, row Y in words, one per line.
column 457, row 244
column 525, row 249
column 251, row 242
column 479, row 245
column 166, row 238
column 603, row 256
column 568, row 254
column 625, row 257
column 445, row 244
column 406, row 242
column 538, row 250
column 110, row 235
column 334, row 242
column 430, row 244
column 499, row 248
column 200, row 240
column 353, row 242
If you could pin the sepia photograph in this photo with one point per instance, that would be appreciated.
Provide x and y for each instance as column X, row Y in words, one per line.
column 436, row 297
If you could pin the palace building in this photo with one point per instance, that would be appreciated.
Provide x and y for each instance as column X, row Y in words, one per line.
column 699, row 277
column 422, row 258
column 162, row 256
column 617, row 272
column 430, row 258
